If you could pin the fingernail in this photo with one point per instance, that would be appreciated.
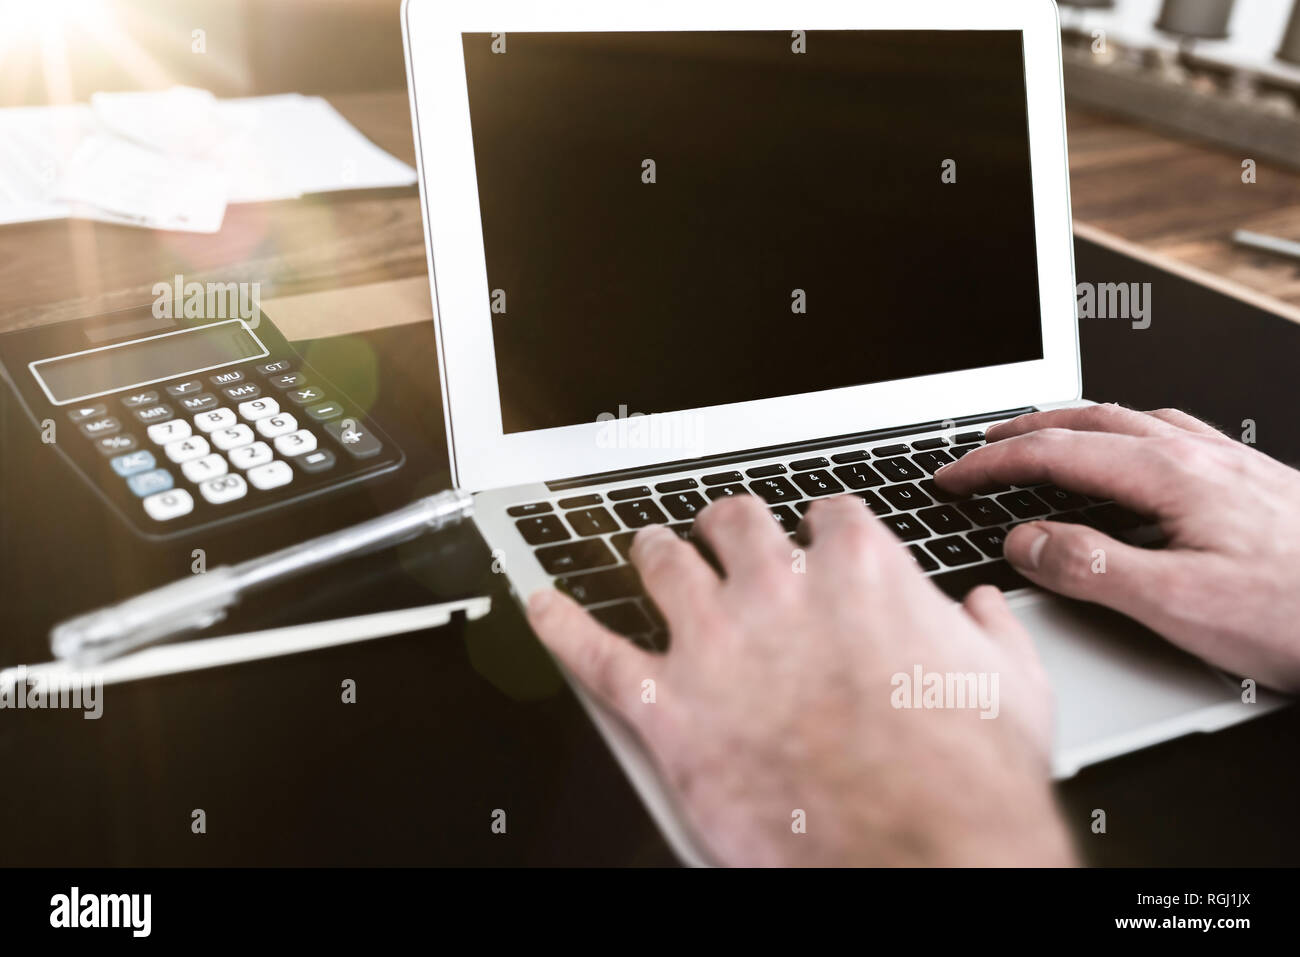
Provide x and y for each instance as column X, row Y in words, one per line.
column 541, row 600
column 1036, row 549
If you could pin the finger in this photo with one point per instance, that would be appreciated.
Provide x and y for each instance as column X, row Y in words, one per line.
column 1081, row 562
column 1100, row 464
column 675, row 575
column 605, row 663
column 987, row 606
column 1086, row 418
column 1189, row 423
column 743, row 535
column 841, row 530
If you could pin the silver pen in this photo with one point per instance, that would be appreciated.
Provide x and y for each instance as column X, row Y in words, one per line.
column 1266, row 243
column 202, row 600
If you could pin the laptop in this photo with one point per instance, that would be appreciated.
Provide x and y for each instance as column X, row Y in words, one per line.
column 681, row 251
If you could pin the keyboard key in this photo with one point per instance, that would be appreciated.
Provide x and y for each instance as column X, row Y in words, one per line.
column 957, row 451
column 147, row 483
column 271, row 475
column 803, row 465
column 200, row 470
column 640, row 513
column 857, row 455
column 723, row 478
column 858, row 475
column 677, row 485
column 276, row 425
column 802, row 506
column 273, row 367
column 985, row 512
column 165, row 432
column 233, row 437
column 924, row 445
column 136, row 399
column 154, row 413
column 216, row 419
column 881, row 451
column 229, row 377
column 591, row 521
column 608, row 585
column 184, row 450
column 1069, row 518
column 725, row 491
column 766, row 471
column 287, row 380
column 623, row 542
column 250, row 456
column 923, row 558
column 104, row 425
column 931, row 488
column 322, row 460
column 905, row 497
column 580, row 501
column 575, row 556
column 224, row 488
column 241, row 392
column 899, row 470
column 625, row 618
column 684, row 505
column 1022, row 503
column 542, row 529
column 906, row 527
column 190, row 387
column 874, row 502
column 944, row 519
column 325, row 411
column 1059, row 498
column 255, row 409
column 165, row 506
column 295, row 443
column 115, row 444
column 306, row 395
column 623, row 494
column 529, row 508
column 962, row 438
column 989, row 541
column 774, row 490
column 957, row 584
column 198, row 403
column 357, row 440
column 132, row 463
column 818, row 482
column 1111, row 518
column 932, row 461
column 83, row 412
column 786, row 518
column 953, row 550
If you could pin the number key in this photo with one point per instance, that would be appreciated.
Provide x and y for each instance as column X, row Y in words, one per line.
column 216, row 419
column 276, row 425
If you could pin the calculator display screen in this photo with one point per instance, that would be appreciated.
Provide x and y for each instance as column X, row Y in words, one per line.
column 96, row 372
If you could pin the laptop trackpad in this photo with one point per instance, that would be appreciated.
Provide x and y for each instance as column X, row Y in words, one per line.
column 1118, row 685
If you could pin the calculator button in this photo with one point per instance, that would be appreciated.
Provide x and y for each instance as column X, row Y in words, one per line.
column 321, row 460
column 270, row 368
column 168, row 505
column 227, row 488
column 281, row 424
column 185, row 388
column 250, row 456
column 258, row 408
column 199, row 403
column 295, row 443
column 106, row 425
column 200, row 470
column 216, row 419
column 227, row 378
column 133, row 462
column 113, row 444
column 155, row 413
column 358, row 441
column 232, row 438
column 137, row 399
column 326, row 410
column 238, row 393
column 165, row 432
column 270, row 475
column 306, row 394
column 83, row 412
column 287, row 381
column 184, row 450
column 147, row 483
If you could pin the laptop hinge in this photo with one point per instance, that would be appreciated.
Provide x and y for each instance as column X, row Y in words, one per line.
column 792, row 448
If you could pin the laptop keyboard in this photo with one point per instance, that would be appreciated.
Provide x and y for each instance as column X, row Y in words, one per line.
column 583, row 540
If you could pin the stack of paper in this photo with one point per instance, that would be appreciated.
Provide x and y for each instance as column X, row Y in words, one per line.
column 174, row 159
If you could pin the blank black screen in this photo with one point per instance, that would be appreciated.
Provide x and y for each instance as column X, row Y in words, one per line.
column 774, row 171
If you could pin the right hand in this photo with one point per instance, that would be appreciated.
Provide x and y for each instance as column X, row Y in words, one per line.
column 1226, row 587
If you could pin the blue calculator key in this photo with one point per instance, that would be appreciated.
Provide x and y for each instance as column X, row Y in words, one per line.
column 148, row 483
column 133, row 463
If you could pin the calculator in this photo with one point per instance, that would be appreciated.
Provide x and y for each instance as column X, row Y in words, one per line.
column 180, row 425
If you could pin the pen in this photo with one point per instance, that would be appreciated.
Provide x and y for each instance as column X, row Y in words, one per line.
column 202, row 600
column 1269, row 244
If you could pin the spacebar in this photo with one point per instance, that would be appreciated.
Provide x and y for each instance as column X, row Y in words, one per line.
column 956, row 584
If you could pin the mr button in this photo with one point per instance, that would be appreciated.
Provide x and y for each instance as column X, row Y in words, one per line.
column 355, row 438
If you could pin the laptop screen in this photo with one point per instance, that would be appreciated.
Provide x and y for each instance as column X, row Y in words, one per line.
column 680, row 220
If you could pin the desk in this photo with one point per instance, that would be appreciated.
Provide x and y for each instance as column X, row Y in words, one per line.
column 288, row 776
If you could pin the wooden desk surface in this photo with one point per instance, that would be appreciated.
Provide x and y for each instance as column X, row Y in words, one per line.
column 1174, row 198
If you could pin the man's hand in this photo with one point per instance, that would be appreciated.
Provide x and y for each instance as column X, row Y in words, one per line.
column 777, row 702
column 1227, row 586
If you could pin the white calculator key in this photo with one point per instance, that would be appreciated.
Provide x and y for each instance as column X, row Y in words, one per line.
column 296, row 443
column 271, row 475
column 233, row 437
column 255, row 409
column 251, row 456
column 163, row 432
column 216, row 419
column 227, row 488
column 168, row 505
column 281, row 424
column 185, row 450
column 200, row 470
